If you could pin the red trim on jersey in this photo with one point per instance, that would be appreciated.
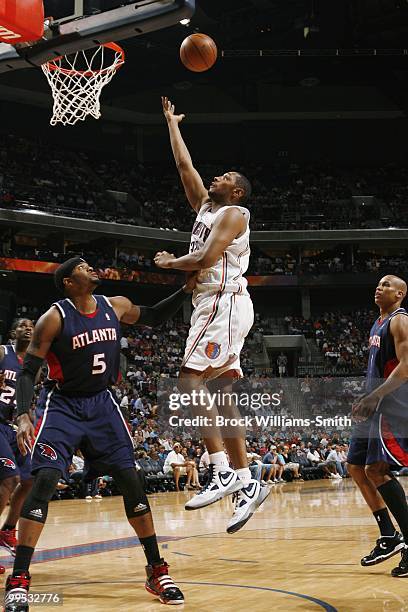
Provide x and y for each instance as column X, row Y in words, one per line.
column 90, row 315
column 390, row 366
column 55, row 368
column 37, row 427
column 392, row 444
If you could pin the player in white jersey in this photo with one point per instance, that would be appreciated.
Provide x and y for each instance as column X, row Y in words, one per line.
column 222, row 318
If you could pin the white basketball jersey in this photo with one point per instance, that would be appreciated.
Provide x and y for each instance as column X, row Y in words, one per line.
column 226, row 274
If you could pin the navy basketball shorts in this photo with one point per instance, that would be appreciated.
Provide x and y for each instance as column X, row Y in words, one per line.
column 382, row 437
column 12, row 462
column 93, row 424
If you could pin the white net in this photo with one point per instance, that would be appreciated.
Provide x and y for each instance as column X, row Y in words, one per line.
column 77, row 81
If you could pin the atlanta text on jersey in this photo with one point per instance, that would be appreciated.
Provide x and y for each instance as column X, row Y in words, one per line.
column 97, row 335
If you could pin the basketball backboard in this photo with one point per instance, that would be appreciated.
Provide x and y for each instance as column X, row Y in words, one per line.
column 83, row 24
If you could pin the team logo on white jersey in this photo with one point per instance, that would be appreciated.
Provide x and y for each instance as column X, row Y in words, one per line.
column 212, row 350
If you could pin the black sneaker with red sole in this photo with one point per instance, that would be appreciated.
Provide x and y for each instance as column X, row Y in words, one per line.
column 8, row 540
column 16, row 593
column 161, row 585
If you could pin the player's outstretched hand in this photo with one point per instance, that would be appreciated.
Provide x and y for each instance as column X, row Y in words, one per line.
column 25, row 433
column 163, row 259
column 169, row 111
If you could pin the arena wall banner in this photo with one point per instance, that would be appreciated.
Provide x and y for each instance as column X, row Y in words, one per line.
column 134, row 276
column 128, row 275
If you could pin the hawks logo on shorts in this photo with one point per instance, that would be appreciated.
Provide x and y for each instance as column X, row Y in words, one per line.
column 212, row 350
column 47, row 451
column 6, row 462
column 396, row 444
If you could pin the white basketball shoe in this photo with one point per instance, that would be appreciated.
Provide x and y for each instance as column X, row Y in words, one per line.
column 222, row 482
column 247, row 500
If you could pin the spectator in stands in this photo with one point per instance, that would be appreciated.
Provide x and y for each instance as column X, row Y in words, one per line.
column 282, row 363
column 176, row 464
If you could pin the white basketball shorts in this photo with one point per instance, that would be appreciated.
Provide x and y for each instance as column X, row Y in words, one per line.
column 219, row 325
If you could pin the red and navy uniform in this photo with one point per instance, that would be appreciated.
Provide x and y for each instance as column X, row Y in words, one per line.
column 81, row 410
column 384, row 436
column 84, row 359
column 12, row 463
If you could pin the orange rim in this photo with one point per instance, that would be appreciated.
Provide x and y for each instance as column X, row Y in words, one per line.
column 112, row 46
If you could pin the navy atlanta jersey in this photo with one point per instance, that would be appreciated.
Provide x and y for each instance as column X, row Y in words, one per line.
column 84, row 359
column 382, row 358
column 11, row 366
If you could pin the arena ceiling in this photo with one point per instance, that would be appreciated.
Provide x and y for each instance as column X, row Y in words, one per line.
column 241, row 82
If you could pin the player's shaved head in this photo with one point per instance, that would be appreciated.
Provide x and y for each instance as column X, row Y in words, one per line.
column 390, row 292
column 398, row 283
column 401, row 284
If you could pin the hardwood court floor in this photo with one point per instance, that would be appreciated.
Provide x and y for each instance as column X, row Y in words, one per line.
column 300, row 552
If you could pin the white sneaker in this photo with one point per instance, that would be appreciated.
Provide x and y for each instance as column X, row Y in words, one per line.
column 337, row 476
column 247, row 500
column 222, row 482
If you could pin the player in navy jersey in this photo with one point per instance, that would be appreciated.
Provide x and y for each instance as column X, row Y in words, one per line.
column 79, row 337
column 380, row 438
column 15, row 469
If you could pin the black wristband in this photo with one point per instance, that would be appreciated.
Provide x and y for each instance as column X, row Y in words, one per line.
column 163, row 311
column 26, row 382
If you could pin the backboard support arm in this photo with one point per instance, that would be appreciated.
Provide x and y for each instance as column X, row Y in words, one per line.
column 115, row 25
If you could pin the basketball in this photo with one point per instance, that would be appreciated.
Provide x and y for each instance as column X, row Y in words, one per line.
column 198, row 52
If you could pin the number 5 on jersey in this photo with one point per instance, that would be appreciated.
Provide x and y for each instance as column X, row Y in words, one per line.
column 99, row 364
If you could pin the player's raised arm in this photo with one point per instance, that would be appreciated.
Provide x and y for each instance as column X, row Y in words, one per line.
column 227, row 227
column 46, row 329
column 152, row 316
column 196, row 193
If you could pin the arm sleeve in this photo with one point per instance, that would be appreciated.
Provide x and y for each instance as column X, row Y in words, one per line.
column 163, row 311
column 26, row 382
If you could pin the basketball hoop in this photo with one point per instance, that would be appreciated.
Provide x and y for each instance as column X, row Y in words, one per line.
column 77, row 81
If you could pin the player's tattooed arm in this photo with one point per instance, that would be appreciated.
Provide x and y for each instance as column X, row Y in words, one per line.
column 47, row 328
column 193, row 184
column 227, row 227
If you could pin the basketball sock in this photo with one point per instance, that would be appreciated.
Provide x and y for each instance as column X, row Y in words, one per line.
column 23, row 559
column 244, row 474
column 219, row 459
column 8, row 527
column 394, row 496
column 151, row 549
column 384, row 522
